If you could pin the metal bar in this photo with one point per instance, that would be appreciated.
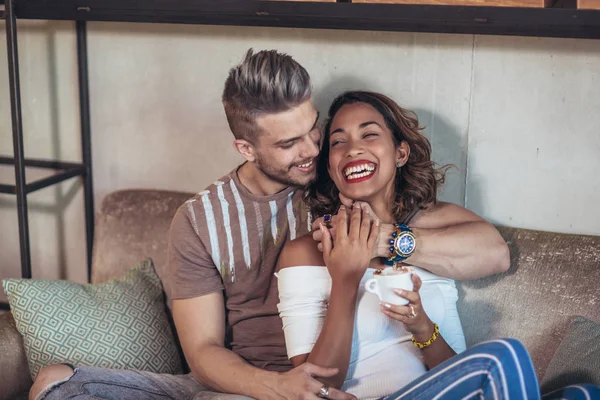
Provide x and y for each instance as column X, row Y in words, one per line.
column 550, row 22
column 36, row 163
column 17, row 128
column 47, row 181
column 86, row 145
column 56, row 178
column 8, row 189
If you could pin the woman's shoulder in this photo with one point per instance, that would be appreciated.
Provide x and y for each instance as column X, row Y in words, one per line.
column 302, row 251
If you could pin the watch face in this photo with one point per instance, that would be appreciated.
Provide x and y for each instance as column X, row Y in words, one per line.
column 405, row 244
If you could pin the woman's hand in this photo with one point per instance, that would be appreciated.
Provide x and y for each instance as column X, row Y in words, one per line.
column 346, row 207
column 348, row 255
column 412, row 315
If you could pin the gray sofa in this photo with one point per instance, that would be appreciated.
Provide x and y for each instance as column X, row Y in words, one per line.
column 552, row 278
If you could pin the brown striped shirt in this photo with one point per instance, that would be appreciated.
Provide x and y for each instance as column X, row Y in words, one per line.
column 226, row 238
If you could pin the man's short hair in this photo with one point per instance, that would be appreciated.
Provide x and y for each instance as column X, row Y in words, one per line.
column 267, row 82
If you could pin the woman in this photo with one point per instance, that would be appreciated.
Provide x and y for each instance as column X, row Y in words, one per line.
column 374, row 154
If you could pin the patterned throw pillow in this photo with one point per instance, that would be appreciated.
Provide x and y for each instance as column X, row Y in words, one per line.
column 120, row 324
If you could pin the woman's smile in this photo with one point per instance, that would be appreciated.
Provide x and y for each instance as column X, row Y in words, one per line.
column 358, row 171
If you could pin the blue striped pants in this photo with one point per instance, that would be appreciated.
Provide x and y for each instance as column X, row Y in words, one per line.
column 499, row 369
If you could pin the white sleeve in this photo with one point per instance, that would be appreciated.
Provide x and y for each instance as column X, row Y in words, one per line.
column 303, row 298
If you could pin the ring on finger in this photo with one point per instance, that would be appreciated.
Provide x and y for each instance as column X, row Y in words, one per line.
column 324, row 392
column 412, row 314
column 327, row 220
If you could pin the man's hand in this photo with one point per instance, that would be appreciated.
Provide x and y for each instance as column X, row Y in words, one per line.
column 302, row 383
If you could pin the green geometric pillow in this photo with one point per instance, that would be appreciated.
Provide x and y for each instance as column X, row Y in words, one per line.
column 120, row 324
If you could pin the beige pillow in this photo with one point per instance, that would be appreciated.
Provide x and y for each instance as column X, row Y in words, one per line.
column 577, row 359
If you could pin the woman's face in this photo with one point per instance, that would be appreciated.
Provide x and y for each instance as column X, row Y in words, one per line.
column 363, row 156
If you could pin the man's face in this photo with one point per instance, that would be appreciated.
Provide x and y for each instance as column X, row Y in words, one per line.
column 288, row 145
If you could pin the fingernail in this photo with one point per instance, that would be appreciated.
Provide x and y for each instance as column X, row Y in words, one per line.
column 377, row 222
column 342, row 207
column 400, row 291
column 386, row 305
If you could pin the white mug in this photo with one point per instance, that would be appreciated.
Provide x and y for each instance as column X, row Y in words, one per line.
column 383, row 286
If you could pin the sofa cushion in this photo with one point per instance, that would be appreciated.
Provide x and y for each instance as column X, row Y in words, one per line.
column 131, row 225
column 552, row 277
column 13, row 366
column 120, row 324
column 577, row 359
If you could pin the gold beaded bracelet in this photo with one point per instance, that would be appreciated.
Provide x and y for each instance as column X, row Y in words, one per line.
column 434, row 336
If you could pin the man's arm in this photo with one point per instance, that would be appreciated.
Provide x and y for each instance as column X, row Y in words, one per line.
column 200, row 323
column 453, row 242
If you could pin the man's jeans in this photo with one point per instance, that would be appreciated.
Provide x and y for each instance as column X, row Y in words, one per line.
column 89, row 383
column 500, row 369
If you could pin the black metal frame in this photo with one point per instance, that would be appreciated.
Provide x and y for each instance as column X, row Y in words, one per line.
column 63, row 170
column 549, row 22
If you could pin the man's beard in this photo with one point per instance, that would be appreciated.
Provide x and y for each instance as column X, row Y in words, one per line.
column 282, row 175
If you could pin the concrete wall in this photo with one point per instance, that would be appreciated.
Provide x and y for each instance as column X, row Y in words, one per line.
column 517, row 116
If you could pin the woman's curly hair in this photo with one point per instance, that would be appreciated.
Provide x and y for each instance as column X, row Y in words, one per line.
column 417, row 181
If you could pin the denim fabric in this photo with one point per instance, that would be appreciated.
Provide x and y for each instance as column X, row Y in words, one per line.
column 498, row 369
column 89, row 383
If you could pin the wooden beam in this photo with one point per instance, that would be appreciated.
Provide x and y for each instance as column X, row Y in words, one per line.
column 539, row 22
column 478, row 3
column 588, row 4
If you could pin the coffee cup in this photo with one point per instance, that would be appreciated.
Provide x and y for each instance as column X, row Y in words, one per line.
column 383, row 284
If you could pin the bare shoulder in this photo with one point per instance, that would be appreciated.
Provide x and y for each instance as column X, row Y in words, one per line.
column 443, row 214
column 301, row 251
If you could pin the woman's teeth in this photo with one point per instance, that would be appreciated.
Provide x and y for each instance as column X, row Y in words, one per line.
column 359, row 171
column 361, row 175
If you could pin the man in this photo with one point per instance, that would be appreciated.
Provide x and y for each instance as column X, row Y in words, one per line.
column 224, row 244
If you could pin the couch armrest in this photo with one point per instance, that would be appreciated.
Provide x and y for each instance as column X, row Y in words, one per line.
column 14, row 371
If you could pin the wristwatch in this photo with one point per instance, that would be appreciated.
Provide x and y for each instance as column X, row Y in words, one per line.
column 402, row 244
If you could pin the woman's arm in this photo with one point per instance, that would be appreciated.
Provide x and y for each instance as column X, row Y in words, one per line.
column 417, row 322
column 346, row 261
column 331, row 321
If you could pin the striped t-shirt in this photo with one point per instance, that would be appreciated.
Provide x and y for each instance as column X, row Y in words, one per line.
column 226, row 238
